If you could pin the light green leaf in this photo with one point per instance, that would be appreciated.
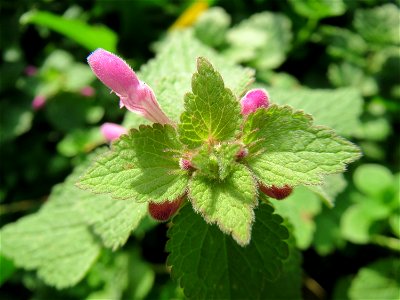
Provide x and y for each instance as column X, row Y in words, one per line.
column 379, row 280
column 373, row 179
column 113, row 220
column 212, row 112
column 343, row 43
column 228, row 203
column 379, row 25
column 357, row 221
column 142, row 166
column 261, row 40
column 287, row 149
column 169, row 74
column 89, row 36
column 55, row 241
column 346, row 74
column 318, row 9
column 237, row 272
column 211, row 26
column 80, row 141
column 339, row 109
column 300, row 208
column 332, row 186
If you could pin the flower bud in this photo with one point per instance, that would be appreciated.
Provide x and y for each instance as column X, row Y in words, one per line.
column 164, row 211
column 185, row 164
column 134, row 94
column 112, row 131
column 275, row 192
column 253, row 100
column 38, row 102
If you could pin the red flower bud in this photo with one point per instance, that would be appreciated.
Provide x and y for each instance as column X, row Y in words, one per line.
column 275, row 192
column 164, row 211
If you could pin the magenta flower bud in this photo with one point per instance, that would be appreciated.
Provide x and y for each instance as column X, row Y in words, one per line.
column 38, row 102
column 134, row 94
column 30, row 70
column 87, row 91
column 112, row 131
column 185, row 164
column 253, row 100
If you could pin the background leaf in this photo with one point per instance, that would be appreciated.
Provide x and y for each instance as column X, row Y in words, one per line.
column 90, row 37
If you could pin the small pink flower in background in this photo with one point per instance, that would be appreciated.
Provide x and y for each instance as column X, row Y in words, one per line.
column 38, row 102
column 253, row 100
column 112, row 131
column 87, row 91
column 30, row 70
column 134, row 94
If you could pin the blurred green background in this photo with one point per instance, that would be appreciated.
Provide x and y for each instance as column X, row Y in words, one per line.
column 51, row 107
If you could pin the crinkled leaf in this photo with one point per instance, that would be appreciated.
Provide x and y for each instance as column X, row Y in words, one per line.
column 318, row 9
column 379, row 280
column 339, row 109
column 379, row 25
column 141, row 166
column 212, row 112
column 169, row 74
column 288, row 285
column 228, row 203
column 237, row 272
column 300, row 209
column 55, row 241
column 90, row 37
column 113, row 220
column 261, row 40
column 288, row 150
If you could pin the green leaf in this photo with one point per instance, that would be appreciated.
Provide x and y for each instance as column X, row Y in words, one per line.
column 228, row 203
column 90, row 37
column 142, row 166
column 346, row 74
column 318, row 9
column 7, row 269
column 211, row 26
column 212, row 112
column 169, row 74
column 379, row 25
column 261, row 40
column 373, row 179
column 113, row 220
column 332, row 186
column 286, row 149
column 55, row 241
column 289, row 283
column 339, row 109
column 343, row 43
column 300, row 208
column 379, row 280
column 237, row 272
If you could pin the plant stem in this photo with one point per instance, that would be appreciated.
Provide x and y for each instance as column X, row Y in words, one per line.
column 387, row 242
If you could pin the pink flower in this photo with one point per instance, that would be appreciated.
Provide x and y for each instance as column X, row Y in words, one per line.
column 253, row 100
column 134, row 94
column 112, row 131
column 30, row 70
column 87, row 91
column 38, row 102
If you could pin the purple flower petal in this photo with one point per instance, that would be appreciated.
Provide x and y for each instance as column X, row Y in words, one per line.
column 253, row 100
column 112, row 131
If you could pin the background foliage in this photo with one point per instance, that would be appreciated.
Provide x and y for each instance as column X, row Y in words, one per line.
column 338, row 60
